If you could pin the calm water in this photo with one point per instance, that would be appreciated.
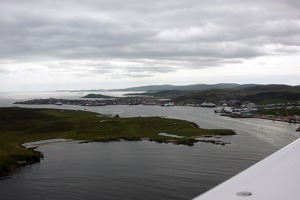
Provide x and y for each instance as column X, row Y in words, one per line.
column 147, row 170
column 7, row 98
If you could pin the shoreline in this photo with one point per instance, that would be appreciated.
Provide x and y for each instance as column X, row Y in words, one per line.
column 21, row 126
column 36, row 144
column 36, row 159
column 263, row 117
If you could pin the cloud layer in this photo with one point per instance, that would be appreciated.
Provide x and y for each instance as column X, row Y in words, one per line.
column 138, row 38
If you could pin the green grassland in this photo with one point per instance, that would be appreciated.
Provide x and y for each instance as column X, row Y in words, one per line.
column 271, row 97
column 259, row 94
column 280, row 111
column 21, row 125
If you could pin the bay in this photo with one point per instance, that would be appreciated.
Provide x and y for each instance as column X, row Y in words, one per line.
column 147, row 170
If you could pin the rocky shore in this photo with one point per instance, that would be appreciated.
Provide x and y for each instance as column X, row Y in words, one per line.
column 18, row 161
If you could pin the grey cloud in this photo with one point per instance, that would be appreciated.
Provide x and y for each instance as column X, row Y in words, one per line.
column 130, row 75
column 137, row 75
column 233, row 61
column 112, row 68
column 203, row 34
column 151, row 69
column 3, row 70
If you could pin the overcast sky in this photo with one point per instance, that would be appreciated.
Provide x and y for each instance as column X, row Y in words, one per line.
column 75, row 44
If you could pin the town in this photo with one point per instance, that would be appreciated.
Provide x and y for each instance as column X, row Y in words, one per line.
column 286, row 112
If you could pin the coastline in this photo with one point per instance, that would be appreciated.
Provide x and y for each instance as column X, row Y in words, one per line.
column 21, row 126
column 36, row 144
column 28, row 160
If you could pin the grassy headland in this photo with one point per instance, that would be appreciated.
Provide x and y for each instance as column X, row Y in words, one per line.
column 97, row 96
column 21, row 125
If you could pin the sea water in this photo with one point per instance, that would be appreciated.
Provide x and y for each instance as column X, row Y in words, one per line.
column 147, row 170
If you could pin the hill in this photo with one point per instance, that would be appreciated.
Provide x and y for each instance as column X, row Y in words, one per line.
column 169, row 94
column 273, row 87
column 273, row 97
column 100, row 96
column 203, row 87
column 261, row 94
column 194, row 87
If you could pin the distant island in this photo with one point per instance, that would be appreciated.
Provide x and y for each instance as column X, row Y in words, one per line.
column 98, row 96
column 23, row 125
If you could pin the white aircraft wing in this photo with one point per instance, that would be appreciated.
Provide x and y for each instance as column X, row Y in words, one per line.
column 275, row 178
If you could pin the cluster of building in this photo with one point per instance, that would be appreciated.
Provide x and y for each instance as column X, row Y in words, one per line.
column 228, row 107
column 98, row 102
column 250, row 110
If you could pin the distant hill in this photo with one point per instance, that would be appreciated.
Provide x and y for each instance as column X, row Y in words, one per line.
column 97, row 96
column 245, row 86
column 194, row 87
column 163, row 94
column 263, row 94
column 272, row 87
column 150, row 88
column 273, row 97
column 248, row 88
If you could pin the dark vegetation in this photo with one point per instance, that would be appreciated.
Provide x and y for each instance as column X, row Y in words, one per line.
column 273, row 97
column 97, row 96
column 259, row 94
column 281, row 111
column 194, row 87
column 21, row 125
column 273, row 87
column 164, row 94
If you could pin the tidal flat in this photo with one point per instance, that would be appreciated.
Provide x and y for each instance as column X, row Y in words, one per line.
column 23, row 125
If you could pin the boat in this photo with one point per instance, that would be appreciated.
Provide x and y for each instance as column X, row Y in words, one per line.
column 224, row 109
column 208, row 105
column 298, row 129
column 168, row 104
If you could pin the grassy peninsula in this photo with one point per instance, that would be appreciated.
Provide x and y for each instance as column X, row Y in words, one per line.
column 21, row 125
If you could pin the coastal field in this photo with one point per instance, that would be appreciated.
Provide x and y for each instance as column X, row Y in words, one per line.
column 21, row 125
